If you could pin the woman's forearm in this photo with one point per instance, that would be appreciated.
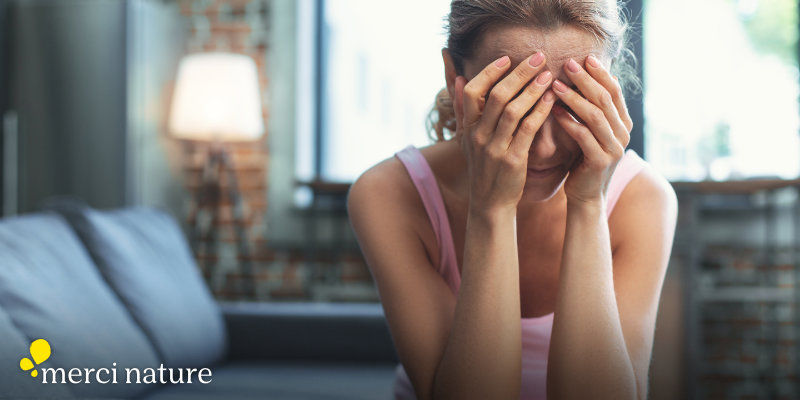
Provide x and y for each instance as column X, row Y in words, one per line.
column 482, row 358
column 588, row 357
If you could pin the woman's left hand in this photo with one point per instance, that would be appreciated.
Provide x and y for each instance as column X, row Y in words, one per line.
column 603, row 131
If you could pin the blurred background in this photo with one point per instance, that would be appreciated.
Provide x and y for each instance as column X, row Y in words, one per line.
column 247, row 120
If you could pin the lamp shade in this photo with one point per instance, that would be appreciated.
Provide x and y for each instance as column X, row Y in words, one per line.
column 216, row 98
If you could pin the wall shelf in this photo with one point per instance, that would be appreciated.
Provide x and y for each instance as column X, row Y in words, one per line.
column 740, row 297
column 747, row 294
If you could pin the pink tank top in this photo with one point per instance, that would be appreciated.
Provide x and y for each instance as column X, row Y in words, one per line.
column 535, row 331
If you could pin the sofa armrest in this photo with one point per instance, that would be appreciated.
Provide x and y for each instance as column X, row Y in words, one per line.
column 308, row 331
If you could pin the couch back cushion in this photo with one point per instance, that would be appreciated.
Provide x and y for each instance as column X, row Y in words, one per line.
column 14, row 382
column 145, row 258
column 50, row 289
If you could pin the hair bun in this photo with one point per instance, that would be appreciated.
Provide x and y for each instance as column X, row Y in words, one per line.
column 442, row 117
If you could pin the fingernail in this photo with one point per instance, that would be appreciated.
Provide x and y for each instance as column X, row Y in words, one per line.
column 543, row 78
column 593, row 61
column 549, row 96
column 536, row 59
column 560, row 87
column 502, row 61
column 573, row 66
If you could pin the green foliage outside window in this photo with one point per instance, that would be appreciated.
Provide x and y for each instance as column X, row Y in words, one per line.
column 771, row 25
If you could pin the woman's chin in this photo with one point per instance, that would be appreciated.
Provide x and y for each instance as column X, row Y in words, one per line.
column 537, row 191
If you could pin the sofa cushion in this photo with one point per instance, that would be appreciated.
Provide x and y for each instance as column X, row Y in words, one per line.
column 50, row 289
column 14, row 382
column 144, row 257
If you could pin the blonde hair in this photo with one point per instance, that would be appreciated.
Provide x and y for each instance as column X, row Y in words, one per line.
column 469, row 19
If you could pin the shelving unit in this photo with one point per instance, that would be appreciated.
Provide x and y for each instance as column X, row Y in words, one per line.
column 741, row 306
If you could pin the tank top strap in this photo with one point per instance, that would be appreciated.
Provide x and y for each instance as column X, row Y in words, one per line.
column 627, row 168
column 425, row 182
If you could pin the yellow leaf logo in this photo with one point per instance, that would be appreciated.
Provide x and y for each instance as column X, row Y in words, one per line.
column 40, row 352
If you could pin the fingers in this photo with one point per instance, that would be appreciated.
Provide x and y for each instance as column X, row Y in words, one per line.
column 521, row 143
column 518, row 108
column 610, row 83
column 476, row 88
column 598, row 95
column 580, row 133
column 508, row 88
column 593, row 116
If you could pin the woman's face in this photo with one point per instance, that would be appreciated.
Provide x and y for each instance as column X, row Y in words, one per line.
column 551, row 146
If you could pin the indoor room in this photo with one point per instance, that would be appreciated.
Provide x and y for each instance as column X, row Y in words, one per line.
column 355, row 199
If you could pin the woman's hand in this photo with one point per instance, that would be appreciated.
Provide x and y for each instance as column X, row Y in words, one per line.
column 497, row 158
column 603, row 136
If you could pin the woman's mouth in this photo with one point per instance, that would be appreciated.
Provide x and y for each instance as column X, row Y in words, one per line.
column 542, row 173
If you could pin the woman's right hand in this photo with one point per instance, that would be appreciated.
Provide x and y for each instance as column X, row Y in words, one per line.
column 497, row 158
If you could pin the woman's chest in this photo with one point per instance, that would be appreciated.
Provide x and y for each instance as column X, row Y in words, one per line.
column 539, row 248
column 539, row 242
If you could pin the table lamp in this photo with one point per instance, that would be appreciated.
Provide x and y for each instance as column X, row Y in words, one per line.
column 217, row 101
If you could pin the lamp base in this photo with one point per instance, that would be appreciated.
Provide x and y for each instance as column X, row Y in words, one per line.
column 218, row 185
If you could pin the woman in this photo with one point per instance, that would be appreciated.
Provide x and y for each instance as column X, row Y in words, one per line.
column 502, row 271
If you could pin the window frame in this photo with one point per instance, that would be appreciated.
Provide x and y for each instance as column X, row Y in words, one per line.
column 321, row 55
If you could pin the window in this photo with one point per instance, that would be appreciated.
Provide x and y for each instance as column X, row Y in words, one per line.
column 721, row 88
column 720, row 80
column 382, row 69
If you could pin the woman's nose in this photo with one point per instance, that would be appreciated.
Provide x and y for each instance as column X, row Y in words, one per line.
column 544, row 143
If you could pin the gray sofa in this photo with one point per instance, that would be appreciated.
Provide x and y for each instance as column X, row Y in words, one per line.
column 120, row 290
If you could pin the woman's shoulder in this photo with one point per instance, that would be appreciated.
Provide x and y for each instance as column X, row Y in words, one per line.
column 647, row 193
column 384, row 181
column 387, row 186
column 647, row 183
column 391, row 177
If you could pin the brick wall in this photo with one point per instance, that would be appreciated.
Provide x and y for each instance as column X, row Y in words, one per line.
column 742, row 341
column 276, row 271
column 240, row 27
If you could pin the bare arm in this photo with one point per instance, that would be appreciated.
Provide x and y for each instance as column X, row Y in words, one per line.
column 482, row 359
column 586, row 342
column 588, row 358
column 607, row 303
column 469, row 347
